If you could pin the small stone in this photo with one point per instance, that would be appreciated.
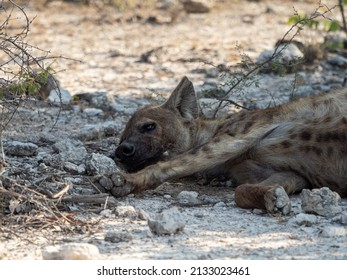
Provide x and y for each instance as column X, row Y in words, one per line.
column 107, row 213
column 126, row 109
column 72, row 251
column 323, row 202
column 126, row 211
column 142, row 215
column 303, row 219
column 98, row 164
column 116, row 237
column 90, row 132
column 93, row 112
column 167, row 222
column 59, row 97
column 219, row 204
column 334, row 231
column 188, row 198
column 102, row 100
column 70, row 150
column 74, row 168
column 344, row 218
column 197, row 6
column 21, row 149
column 338, row 60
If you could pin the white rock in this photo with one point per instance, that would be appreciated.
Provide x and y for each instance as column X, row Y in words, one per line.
column 167, row 222
column 93, row 112
column 126, row 211
column 334, row 231
column 98, row 164
column 71, row 251
column 344, row 218
column 59, row 97
column 303, row 219
column 70, row 150
column 188, row 198
column 323, row 202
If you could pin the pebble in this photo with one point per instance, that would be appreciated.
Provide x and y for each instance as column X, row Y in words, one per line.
column 126, row 211
column 107, row 213
column 21, row 149
column 219, row 204
column 334, row 231
column 71, row 251
column 74, row 168
column 142, row 215
column 90, row 132
column 116, row 237
column 102, row 100
column 188, row 198
column 344, row 218
column 169, row 221
column 127, row 109
column 323, row 202
column 70, row 150
column 93, row 112
column 98, row 164
column 338, row 60
column 59, row 97
column 197, row 6
column 303, row 219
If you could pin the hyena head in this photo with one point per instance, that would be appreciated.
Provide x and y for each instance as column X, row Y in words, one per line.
column 157, row 133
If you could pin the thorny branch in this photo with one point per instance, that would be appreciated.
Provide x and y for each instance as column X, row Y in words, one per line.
column 294, row 30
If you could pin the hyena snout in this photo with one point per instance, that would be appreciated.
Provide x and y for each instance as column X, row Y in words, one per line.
column 125, row 151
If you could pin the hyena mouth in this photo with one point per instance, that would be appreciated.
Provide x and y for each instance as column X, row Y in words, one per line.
column 132, row 166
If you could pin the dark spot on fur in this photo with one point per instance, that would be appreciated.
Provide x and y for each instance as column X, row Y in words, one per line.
column 216, row 140
column 330, row 151
column 344, row 120
column 231, row 133
column 247, row 126
column 292, row 136
column 308, row 148
column 319, row 137
column 194, row 151
column 327, row 119
column 305, row 135
column 286, row 144
column 220, row 127
column 206, row 148
column 317, row 150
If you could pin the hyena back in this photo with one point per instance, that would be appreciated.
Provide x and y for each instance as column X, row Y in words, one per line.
column 271, row 153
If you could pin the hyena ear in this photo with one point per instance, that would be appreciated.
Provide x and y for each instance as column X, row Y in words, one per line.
column 183, row 100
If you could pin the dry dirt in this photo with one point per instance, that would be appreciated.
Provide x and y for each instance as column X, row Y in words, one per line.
column 109, row 46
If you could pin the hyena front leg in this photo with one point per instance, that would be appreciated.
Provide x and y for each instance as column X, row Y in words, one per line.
column 270, row 194
column 217, row 151
column 196, row 160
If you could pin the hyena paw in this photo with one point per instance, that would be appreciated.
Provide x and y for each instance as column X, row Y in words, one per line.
column 115, row 184
column 277, row 201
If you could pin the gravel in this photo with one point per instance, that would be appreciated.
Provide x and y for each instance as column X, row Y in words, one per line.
column 157, row 224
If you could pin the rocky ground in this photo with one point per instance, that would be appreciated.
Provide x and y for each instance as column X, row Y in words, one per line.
column 121, row 61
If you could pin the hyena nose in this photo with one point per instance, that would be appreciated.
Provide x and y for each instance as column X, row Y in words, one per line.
column 125, row 150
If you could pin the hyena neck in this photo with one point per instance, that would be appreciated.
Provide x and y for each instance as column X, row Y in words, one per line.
column 202, row 131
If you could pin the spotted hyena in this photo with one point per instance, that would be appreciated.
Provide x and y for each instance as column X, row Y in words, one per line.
column 271, row 153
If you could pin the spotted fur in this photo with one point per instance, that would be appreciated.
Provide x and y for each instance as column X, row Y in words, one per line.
column 271, row 153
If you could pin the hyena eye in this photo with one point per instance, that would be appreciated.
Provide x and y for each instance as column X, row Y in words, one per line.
column 148, row 127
